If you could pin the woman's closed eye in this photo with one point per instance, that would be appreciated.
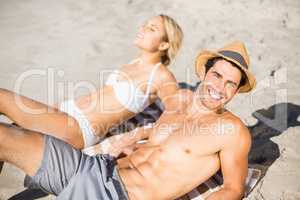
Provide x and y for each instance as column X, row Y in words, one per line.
column 151, row 28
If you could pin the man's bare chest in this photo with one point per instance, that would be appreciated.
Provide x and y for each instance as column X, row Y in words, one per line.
column 181, row 124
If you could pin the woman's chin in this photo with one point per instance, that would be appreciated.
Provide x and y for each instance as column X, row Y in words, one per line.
column 137, row 45
column 140, row 46
column 137, row 42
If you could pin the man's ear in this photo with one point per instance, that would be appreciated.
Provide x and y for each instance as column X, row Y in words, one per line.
column 163, row 46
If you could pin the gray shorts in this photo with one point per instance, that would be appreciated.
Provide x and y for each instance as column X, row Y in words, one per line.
column 70, row 174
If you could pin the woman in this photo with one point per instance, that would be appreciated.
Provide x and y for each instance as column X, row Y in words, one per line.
column 84, row 121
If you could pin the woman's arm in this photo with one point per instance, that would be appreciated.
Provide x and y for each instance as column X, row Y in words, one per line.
column 166, row 87
column 116, row 144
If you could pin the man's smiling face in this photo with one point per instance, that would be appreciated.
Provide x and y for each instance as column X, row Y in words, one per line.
column 220, row 84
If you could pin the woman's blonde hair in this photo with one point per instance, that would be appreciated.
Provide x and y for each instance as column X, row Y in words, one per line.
column 174, row 36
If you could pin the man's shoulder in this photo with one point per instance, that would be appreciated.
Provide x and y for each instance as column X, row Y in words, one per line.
column 233, row 119
column 236, row 129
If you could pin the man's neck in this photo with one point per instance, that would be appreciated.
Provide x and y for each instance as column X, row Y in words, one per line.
column 196, row 109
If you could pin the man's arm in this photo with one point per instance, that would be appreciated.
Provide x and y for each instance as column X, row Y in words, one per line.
column 234, row 165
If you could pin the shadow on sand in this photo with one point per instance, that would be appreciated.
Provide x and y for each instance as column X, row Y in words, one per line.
column 272, row 121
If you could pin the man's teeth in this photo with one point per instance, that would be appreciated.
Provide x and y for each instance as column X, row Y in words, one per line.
column 215, row 95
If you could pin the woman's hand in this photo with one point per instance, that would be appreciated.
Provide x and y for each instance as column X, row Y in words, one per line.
column 117, row 144
column 113, row 145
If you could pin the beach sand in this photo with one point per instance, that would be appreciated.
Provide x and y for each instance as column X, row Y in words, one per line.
column 46, row 45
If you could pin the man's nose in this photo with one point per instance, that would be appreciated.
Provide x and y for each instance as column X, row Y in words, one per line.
column 220, row 86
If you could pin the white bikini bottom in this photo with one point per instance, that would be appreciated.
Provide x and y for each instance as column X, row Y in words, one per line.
column 71, row 109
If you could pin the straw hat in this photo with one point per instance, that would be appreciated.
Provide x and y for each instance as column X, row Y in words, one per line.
column 235, row 52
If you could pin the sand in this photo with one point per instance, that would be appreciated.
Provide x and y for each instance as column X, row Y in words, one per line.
column 45, row 44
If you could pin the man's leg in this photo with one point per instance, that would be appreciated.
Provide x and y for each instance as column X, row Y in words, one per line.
column 39, row 117
column 50, row 162
column 1, row 166
column 58, row 168
column 22, row 148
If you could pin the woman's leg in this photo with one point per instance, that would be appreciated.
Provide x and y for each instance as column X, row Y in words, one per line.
column 39, row 117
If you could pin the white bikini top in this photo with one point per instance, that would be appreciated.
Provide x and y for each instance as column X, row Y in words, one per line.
column 129, row 94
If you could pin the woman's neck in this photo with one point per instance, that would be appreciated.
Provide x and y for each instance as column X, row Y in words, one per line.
column 149, row 58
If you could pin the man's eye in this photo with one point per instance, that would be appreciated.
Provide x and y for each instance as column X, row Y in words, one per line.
column 216, row 75
column 231, row 85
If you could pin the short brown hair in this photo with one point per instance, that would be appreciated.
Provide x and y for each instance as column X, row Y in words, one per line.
column 210, row 63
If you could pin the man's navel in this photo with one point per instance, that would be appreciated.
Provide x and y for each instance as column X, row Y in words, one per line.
column 187, row 151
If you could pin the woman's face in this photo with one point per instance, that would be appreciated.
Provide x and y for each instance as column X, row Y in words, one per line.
column 150, row 35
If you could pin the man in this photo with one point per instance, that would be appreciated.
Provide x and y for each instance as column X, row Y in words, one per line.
column 1, row 166
column 193, row 138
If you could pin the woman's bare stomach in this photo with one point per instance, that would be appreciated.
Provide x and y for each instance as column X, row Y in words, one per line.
column 103, row 110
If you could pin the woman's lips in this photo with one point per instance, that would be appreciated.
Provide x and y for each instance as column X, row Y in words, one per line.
column 140, row 36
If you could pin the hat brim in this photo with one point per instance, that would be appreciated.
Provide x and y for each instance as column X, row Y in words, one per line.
column 204, row 56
